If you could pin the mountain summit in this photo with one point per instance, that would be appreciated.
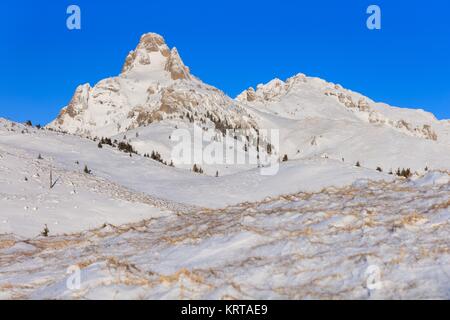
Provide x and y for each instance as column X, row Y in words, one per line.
column 154, row 85
column 152, row 53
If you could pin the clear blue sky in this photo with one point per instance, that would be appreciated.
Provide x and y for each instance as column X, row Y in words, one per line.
column 230, row 44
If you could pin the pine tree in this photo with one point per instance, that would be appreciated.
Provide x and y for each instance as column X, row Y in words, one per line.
column 197, row 169
column 45, row 232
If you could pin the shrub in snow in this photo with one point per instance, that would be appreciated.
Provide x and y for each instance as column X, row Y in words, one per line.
column 45, row 232
column 106, row 141
column 126, row 147
column 197, row 169
column 406, row 173
column 156, row 156
column 86, row 170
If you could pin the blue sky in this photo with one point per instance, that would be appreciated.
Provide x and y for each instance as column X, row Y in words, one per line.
column 230, row 44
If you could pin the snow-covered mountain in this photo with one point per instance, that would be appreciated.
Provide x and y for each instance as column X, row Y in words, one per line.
column 302, row 97
column 154, row 85
column 321, row 119
column 156, row 93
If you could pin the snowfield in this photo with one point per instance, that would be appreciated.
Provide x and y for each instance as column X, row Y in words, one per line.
column 317, row 229
column 178, row 185
column 302, row 246
column 357, row 208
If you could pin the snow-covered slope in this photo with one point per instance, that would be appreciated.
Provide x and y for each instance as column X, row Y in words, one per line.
column 71, row 153
column 302, row 97
column 370, row 240
column 321, row 119
column 320, row 228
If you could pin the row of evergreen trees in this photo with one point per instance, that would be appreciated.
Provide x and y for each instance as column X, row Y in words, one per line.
column 406, row 173
column 157, row 157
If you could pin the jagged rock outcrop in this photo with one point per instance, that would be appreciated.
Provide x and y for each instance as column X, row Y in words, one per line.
column 150, row 44
column 77, row 105
column 154, row 85
column 271, row 91
column 176, row 67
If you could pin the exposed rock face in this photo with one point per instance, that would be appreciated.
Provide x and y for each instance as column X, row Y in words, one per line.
column 176, row 67
column 77, row 105
column 150, row 45
column 249, row 95
column 376, row 117
column 271, row 91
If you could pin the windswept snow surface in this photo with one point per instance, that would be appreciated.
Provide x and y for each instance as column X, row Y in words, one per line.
column 370, row 240
column 136, row 229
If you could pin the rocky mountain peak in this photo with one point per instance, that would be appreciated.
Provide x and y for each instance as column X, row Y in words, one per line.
column 152, row 42
column 152, row 51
